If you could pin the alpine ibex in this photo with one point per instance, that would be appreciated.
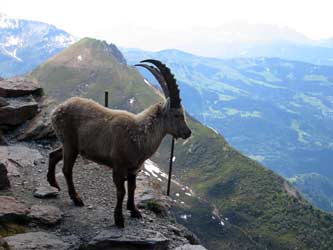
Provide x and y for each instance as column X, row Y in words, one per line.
column 116, row 138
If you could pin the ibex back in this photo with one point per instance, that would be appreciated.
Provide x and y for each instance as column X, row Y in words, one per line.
column 116, row 138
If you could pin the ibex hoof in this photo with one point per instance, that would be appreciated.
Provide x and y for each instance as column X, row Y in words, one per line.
column 78, row 202
column 136, row 214
column 119, row 221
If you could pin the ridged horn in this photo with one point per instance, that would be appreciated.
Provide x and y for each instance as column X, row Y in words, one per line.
column 170, row 82
column 157, row 74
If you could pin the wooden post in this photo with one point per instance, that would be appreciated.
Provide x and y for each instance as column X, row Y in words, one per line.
column 170, row 165
column 106, row 99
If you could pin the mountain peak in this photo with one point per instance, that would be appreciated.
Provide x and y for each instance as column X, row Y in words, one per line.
column 90, row 52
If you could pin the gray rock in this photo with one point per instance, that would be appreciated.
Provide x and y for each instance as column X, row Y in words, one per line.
column 46, row 192
column 3, row 244
column 11, row 166
column 18, row 86
column 48, row 215
column 20, row 155
column 116, row 240
column 36, row 241
column 3, row 102
column 3, row 141
column 4, row 181
column 18, row 111
column 40, row 126
column 191, row 247
column 13, row 210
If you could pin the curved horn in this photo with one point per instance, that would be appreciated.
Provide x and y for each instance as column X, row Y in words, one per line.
column 157, row 74
column 170, row 81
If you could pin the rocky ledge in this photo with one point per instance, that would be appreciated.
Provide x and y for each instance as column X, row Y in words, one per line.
column 35, row 216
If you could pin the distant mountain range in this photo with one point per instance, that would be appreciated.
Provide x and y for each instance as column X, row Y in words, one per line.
column 25, row 44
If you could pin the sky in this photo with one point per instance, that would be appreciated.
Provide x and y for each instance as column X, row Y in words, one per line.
column 155, row 24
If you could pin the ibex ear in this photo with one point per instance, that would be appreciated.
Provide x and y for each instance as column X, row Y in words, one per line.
column 166, row 106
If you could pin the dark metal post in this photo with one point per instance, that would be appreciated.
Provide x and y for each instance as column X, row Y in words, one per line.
column 170, row 165
column 106, row 99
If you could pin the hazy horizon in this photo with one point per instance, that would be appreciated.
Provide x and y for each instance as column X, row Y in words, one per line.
column 181, row 25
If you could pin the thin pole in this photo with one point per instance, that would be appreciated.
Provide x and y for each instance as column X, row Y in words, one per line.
column 106, row 99
column 170, row 165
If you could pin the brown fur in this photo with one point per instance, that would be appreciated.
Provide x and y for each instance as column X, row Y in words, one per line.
column 116, row 138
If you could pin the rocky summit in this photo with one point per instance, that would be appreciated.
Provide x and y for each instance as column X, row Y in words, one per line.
column 34, row 215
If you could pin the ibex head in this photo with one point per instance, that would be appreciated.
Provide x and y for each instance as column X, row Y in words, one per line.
column 175, row 121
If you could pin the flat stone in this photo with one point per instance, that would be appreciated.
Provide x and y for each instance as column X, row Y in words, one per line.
column 48, row 215
column 191, row 247
column 4, row 181
column 18, row 111
column 45, row 192
column 18, row 86
column 36, row 241
column 116, row 240
column 22, row 156
column 13, row 210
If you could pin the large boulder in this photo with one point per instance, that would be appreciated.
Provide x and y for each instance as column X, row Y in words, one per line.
column 114, row 239
column 18, row 86
column 36, row 241
column 11, row 210
column 4, row 181
column 18, row 111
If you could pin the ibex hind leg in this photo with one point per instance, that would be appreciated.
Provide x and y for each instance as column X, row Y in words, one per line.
column 69, row 160
column 54, row 157
column 131, row 185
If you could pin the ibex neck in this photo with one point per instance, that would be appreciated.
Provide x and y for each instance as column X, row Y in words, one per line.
column 152, row 129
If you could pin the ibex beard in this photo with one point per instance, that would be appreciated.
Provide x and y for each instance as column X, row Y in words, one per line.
column 116, row 138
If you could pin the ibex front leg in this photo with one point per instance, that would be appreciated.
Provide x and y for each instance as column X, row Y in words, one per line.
column 119, row 181
column 131, row 185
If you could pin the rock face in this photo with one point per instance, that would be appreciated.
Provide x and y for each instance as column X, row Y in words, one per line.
column 114, row 240
column 18, row 86
column 36, row 241
column 18, row 111
column 40, row 126
column 4, row 181
column 48, row 215
column 12, row 210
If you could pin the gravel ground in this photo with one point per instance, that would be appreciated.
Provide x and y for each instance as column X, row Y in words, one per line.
column 94, row 183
